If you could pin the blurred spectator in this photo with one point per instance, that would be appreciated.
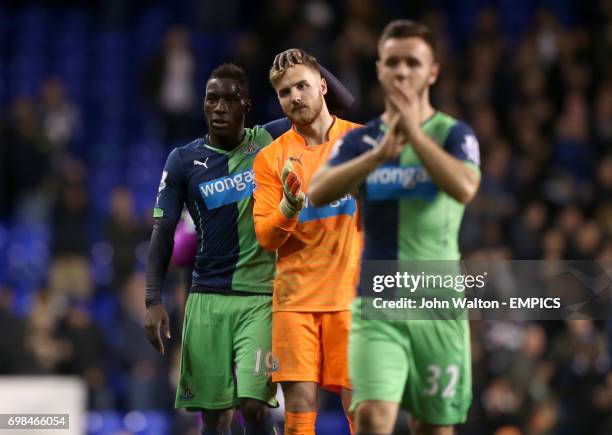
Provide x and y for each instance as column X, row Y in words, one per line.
column 553, row 245
column 604, row 182
column 533, row 80
column 84, row 353
column 502, row 402
column 147, row 380
column 69, row 272
column 247, row 51
column 170, row 86
column 583, row 367
column 26, row 152
column 523, row 368
column 14, row 358
column 42, row 342
column 602, row 119
column 527, row 231
column 572, row 151
column 543, row 419
column 587, row 241
column 218, row 17
column 278, row 18
column 60, row 120
column 124, row 233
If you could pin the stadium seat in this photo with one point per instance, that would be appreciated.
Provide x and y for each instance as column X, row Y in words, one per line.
column 101, row 267
column 3, row 259
column 27, row 260
column 23, row 302
column 31, row 23
column 27, row 65
column 149, row 32
column 331, row 423
column 104, row 422
column 135, row 422
column 103, row 307
column 75, row 19
column 5, row 22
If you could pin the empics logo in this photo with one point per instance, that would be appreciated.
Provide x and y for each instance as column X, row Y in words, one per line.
column 227, row 190
column 397, row 182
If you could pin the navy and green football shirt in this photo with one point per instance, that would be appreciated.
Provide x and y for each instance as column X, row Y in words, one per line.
column 217, row 186
column 406, row 216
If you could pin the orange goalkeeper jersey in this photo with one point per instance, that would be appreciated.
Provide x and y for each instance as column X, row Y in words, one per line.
column 318, row 252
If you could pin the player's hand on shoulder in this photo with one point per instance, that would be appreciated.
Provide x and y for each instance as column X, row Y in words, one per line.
column 157, row 326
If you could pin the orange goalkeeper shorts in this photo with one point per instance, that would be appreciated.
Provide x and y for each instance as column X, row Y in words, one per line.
column 311, row 346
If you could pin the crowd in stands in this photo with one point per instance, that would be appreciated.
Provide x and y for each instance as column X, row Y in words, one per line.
column 91, row 103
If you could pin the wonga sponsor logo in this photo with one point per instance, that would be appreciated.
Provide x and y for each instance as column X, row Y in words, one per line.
column 345, row 205
column 227, row 190
column 396, row 182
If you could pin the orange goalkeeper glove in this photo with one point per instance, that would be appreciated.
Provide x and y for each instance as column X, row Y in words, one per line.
column 293, row 197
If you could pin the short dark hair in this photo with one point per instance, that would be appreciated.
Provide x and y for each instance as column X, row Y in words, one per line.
column 233, row 72
column 408, row 29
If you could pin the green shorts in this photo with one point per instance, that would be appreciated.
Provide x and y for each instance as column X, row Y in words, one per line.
column 425, row 365
column 226, row 351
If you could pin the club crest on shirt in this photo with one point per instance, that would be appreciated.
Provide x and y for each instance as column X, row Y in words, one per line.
column 251, row 149
column 470, row 148
column 187, row 393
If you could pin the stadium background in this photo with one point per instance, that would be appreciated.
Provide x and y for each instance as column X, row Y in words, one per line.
column 93, row 95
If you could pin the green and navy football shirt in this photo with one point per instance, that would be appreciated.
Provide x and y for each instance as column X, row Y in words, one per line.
column 217, row 186
column 406, row 216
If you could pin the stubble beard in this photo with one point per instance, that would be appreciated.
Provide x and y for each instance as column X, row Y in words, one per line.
column 308, row 116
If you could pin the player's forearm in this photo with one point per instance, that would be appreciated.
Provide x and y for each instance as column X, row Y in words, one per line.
column 272, row 231
column 333, row 182
column 158, row 258
column 338, row 96
column 450, row 174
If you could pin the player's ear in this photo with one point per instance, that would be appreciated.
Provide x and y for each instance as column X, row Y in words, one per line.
column 323, row 86
column 378, row 71
column 435, row 72
column 247, row 105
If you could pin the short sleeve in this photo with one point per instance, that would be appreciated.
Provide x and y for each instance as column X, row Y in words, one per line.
column 171, row 192
column 347, row 148
column 462, row 144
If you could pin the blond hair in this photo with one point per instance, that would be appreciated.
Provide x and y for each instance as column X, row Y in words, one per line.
column 285, row 60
